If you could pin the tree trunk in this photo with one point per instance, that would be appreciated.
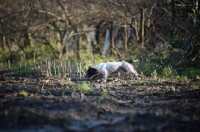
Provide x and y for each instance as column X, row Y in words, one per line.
column 196, row 53
column 142, row 28
column 96, row 49
column 125, row 37
column 64, row 48
column 112, row 38
column 79, row 41
column 106, row 42
column 134, row 26
column 89, row 40
column 173, row 19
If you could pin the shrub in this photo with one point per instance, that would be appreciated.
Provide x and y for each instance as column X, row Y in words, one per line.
column 167, row 72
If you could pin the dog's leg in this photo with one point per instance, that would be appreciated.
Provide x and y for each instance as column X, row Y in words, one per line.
column 105, row 76
column 130, row 68
column 135, row 73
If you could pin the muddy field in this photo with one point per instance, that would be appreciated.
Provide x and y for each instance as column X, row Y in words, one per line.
column 34, row 102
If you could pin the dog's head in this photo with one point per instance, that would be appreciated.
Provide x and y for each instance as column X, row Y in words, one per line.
column 92, row 73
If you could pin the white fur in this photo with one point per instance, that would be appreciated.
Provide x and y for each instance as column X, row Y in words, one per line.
column 109, row 67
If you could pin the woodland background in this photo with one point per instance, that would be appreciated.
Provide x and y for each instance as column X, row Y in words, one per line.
column 159, row 33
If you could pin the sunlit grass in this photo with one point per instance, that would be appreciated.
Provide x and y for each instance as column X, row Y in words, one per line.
column 83, row 86
column 23, row 94
column 107, row 91
column 194, row 87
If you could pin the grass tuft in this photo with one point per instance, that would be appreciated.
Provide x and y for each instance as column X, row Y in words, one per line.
column 23, row 94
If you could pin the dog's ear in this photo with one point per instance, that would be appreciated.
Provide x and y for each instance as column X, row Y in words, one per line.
column 94, row 70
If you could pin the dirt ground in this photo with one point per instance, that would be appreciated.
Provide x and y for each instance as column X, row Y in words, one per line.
column 34, row 102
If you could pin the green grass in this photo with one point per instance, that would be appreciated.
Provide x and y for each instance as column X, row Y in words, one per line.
column 131, row 114
column 23, row 94
column 107, row 91
column 194, row 87
column 154, row 75
column 24, row 69
column 167, row 72
column 190, row 72
column 150, row 62
column 63, row 92
column 182, row 79
column 83, row 86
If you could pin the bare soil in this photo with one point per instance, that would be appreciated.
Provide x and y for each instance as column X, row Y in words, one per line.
column 120, row 105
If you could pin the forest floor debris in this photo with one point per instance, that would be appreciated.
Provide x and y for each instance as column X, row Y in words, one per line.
column 36, row 103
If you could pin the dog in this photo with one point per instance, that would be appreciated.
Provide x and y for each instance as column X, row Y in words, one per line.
column 109, row 67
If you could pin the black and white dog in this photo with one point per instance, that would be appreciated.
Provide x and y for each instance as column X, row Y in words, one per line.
column 109, row 67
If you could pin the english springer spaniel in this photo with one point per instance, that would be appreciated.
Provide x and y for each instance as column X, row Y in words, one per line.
column 109, row 67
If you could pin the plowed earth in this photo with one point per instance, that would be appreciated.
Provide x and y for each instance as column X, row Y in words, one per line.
column 120, row 105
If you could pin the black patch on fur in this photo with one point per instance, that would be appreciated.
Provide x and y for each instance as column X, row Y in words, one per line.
column 92, row 73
